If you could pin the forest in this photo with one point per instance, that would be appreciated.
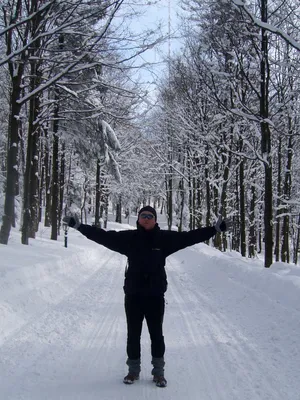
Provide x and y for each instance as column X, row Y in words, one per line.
column 218, row 135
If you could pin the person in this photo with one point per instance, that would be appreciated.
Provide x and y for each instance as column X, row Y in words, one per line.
column 146, row 249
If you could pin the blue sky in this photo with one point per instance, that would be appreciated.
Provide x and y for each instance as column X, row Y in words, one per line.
column 158, row 13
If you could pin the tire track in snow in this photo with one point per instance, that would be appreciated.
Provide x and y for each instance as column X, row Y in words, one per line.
column 254, row 342
column 227, row 356
column 53, row 345
column 76, row 349
column 189, row 337
column 45, row 293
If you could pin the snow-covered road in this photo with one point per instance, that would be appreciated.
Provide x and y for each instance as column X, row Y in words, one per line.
column 231, row 329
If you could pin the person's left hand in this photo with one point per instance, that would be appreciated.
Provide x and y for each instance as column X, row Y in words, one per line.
column 222, row 225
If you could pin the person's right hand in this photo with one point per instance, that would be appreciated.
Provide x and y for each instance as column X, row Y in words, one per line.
column 72, row 221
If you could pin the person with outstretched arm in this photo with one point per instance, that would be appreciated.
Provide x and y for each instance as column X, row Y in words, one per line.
column 146, row 249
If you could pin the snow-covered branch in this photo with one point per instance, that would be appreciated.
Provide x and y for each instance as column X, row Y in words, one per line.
column 268, row 27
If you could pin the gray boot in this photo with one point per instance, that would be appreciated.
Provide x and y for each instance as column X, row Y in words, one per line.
column 134, row 366
column 158, row 366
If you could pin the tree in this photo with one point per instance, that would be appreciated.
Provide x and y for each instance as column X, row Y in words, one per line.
column 64, row 39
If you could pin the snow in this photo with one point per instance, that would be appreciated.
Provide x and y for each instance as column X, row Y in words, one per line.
column 269, row 27
column 231, row 326
column 109, row 133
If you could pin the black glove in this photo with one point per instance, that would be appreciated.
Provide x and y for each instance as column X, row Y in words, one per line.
column 72, row 221
column 222, row 225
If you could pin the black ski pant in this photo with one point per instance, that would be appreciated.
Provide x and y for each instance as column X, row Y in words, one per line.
column 152, row 308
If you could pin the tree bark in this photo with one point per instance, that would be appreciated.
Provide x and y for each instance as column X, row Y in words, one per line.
column 98, row 195
column 278, row 204
column 242, row 203
column 55, row 171
column 266, row 139
column 207, row 189
column 61, row 182
column 12, row 160
column 285, row 250
column 252, row 235
column 16, row 74
column 31, row 180
column 119, row 211
column 47, row 167
column 297, row 244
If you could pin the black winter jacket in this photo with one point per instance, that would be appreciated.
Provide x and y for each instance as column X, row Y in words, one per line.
column 146, row 252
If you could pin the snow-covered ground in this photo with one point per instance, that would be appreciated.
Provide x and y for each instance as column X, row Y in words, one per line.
column 232, row 328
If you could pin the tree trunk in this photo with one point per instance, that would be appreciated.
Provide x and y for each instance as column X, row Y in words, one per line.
column 207, row 189
column 217, row 239
column 16, row 71
column 42, row 181
column 199, row 198
column 47, row 167
column 252, row 235
column 297, row 244
column 285, row 250
column 55, row 183
column 119, row 211
column 236, row 235
column 278, row 211
column 83, row 205
column 190, row 192
column 194, row 191
column 98, row 195
column 61, row 182
column 31, row 180
column 266, row 139
column 105, row 209
column 181, row 210
column 12, row 160
column 169, row 201
column 242, row 204
column 226, row 159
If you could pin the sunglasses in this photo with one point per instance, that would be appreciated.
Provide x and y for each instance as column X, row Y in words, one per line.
column 147, row 216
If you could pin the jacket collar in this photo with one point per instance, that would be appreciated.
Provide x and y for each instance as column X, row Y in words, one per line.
column 141, row 229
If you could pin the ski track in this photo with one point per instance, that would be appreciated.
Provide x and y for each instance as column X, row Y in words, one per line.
column 58, row 348
column 76, row 349
column 231, row 364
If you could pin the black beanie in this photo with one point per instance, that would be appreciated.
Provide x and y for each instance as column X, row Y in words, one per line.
column 150, row 209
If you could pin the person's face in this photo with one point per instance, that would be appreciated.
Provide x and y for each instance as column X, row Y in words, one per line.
column 147, row 220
